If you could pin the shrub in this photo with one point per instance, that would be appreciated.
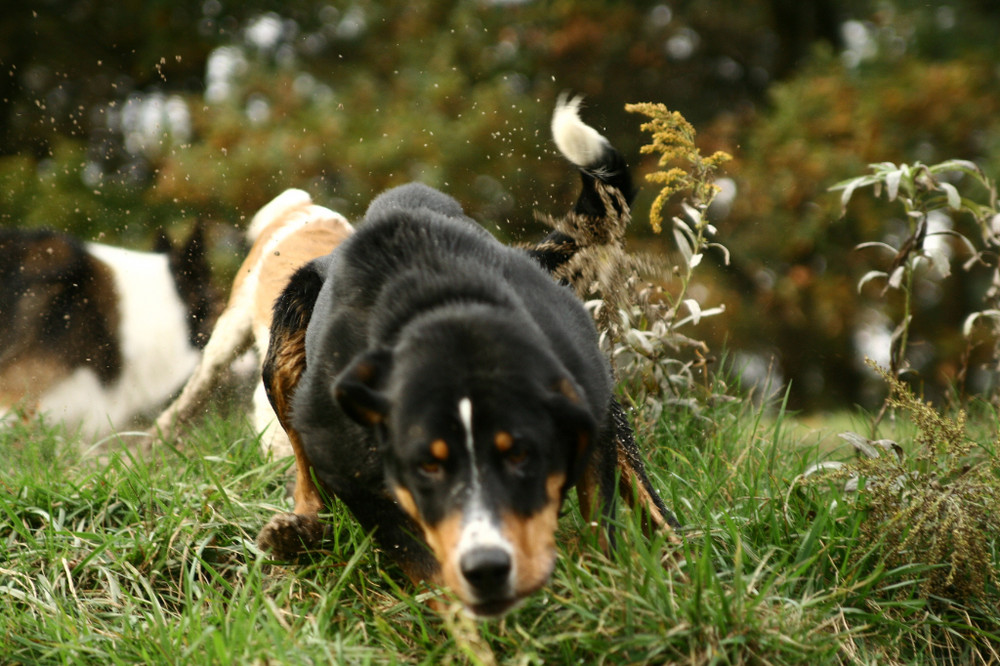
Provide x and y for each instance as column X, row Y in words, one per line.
column 934, row 505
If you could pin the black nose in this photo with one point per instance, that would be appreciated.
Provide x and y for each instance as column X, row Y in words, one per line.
column 486, row 569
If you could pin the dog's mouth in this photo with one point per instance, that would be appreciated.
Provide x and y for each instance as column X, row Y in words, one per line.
column 492, row 608
column 490, row 581
column 485, row 605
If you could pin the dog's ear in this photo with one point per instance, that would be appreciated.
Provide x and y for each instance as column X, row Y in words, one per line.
column 574, row 418
column 358, row 388
column 193, row 252
column 162, row 244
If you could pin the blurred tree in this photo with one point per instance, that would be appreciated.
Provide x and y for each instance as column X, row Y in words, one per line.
column 792, row 285
column 350, row 97
column 120, row 117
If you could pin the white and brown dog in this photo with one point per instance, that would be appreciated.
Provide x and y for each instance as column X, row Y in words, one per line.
column 94, row 336
column 286, row 233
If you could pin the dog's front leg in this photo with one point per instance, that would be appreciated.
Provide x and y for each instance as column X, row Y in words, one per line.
column 231, row 337
column 287, row 535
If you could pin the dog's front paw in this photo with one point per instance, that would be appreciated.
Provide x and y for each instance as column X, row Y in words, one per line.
column 289, row 534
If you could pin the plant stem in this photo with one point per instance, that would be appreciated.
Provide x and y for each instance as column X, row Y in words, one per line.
column 698, row 246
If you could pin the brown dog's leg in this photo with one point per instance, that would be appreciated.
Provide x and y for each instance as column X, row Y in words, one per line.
column 634, row 486
column 617, row 461
column 286, row 535
column 594, row 490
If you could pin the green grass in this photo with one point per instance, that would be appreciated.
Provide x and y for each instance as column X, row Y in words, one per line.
column 122, row 560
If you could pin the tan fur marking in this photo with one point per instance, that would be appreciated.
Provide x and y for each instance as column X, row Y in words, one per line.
column 253, row 258
column 364, row 372
column 274, row 263
column 262, row 241
column 586, row 492
column 288, row 367
column 439, row 449
column 565, row 387
column 313, row 240
column 503, row 441
column 23, row 381
column 370, row 416
column 637, row 496
column 406, row 501
column 587, row 495
column 534, row 540
column 308, row 501
column 409, row 505
column 443, row 540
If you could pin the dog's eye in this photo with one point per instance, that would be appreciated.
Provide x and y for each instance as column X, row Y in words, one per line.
column 432, row 469
column 516, row 458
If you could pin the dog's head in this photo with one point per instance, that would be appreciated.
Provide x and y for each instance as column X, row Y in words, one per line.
column 482, row 431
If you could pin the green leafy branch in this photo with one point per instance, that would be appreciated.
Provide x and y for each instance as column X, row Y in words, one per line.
column 921, row 190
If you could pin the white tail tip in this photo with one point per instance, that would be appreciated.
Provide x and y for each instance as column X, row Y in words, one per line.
column 580, row 143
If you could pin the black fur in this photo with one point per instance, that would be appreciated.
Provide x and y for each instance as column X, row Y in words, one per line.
column 418, row 310
column 439, row 310
column 611, row 170
column 57, row 300
column 609, row 173
column 193, row 279
column 294, row 307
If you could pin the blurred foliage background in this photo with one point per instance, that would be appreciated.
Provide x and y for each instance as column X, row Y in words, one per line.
column 119, row 118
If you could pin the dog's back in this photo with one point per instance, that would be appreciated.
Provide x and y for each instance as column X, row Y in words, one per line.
column 416, row 248
column 286, row 233
column 93, row 335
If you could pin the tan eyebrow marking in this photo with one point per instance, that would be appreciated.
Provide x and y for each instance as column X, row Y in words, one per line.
column 439, row 449
column 503, row 441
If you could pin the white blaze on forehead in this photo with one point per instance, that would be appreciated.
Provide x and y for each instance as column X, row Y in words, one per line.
column 480, row 528
column 465, row 416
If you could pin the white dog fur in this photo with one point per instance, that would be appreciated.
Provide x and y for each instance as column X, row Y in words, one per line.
column 286, row 233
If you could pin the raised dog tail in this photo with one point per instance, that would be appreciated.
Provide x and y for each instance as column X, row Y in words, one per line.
column 595, row 157
column 600, row 213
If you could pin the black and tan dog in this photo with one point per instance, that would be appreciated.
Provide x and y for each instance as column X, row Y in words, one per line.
column 450, row 392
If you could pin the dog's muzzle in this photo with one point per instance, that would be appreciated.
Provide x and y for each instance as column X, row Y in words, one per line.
column 487, row 571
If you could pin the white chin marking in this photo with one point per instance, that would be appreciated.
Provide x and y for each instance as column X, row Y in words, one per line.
column 580, row 143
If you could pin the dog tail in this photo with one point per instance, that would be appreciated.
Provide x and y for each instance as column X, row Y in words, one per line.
column 604, row 199
column 595, row 157
column 280, row 205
